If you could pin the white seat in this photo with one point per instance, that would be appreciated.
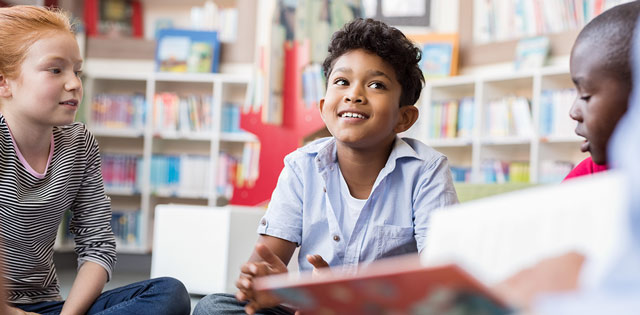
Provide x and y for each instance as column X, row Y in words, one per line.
column 203, row 247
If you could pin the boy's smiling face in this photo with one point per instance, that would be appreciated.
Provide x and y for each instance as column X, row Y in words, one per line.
column 361, row 107
column 601, row 102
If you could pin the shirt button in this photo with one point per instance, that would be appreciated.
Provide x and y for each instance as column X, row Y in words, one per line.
column 324, row 189
column 263, row 221
column 336, row 238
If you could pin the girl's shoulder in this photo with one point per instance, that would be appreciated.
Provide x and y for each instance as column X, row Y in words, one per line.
column 75, row 134
column 74, row 130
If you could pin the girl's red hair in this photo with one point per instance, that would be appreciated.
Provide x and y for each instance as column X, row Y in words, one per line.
column 20, row 27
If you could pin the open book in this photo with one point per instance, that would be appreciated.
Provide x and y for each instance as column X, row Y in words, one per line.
column 493, row 238
column 391, row 286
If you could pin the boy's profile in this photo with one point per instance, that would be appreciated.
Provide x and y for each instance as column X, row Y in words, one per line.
column 363, row 194
column 601, row 72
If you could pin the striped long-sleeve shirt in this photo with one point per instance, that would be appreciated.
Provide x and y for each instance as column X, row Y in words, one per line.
column 32, row 206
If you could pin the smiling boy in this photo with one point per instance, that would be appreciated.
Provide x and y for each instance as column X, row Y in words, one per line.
column 601, row 72
column 363, row 194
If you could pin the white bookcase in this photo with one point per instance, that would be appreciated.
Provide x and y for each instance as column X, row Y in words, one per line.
column 470, row 152
column 145, row 142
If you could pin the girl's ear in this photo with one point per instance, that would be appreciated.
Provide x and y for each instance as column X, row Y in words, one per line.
column 5, row 89
column 407, row 116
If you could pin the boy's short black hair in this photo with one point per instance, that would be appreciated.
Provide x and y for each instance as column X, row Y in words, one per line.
column 612, row 33
column 389, row 44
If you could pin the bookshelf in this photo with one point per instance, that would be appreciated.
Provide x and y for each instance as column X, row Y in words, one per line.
column 539, row 153
column 195, row 151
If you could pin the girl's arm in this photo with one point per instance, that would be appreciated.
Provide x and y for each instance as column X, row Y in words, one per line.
column 4, row 307
column 94, row 241
column 86, row 288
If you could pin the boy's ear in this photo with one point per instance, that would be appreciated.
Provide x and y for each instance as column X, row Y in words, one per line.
column 320, row 107
column 408, row 115
column 5, row 89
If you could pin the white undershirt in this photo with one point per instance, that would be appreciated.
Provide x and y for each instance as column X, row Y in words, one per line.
column 351, row 210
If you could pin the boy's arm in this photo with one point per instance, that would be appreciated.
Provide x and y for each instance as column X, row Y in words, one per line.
column 86, row 288
column 270, row 256
column 436, row 191
column 280, row 231
column 279, row 247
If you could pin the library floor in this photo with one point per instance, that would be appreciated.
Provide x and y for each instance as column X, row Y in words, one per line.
column 129, row 269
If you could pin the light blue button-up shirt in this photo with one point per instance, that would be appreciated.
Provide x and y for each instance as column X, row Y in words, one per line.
column 307, row 207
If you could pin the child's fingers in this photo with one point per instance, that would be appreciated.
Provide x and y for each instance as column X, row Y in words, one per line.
column 269, row 257
column 245, row 287
column 249, row 269
column 241, row 296
column 250, row 308
column 317, row 261
column 260, row 301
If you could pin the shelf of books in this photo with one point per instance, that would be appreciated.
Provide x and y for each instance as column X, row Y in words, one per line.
column 503, row 128
column 166, row 138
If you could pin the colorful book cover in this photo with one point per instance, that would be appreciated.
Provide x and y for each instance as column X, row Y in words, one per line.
column 187, row 51
column 437, row 59
column 398, row 285
column 531, row 52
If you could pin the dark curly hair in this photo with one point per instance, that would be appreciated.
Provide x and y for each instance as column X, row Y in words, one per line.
column 389, row 44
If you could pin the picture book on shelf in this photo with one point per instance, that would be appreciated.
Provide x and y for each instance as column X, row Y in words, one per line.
column 439, row 54
column 531, row 52
column 187, row 51
column 399, row 285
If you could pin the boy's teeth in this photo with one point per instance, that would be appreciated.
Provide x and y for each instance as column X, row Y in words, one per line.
column 350, row 115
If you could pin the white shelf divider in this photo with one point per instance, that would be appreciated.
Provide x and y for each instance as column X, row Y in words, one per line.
column 485, row 87
column 102, row 81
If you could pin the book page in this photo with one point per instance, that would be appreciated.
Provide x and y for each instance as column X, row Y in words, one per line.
column 496, row 237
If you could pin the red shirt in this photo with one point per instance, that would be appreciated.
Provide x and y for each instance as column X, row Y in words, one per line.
column 586, row 167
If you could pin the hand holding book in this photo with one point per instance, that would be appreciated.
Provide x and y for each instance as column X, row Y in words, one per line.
column 270, row 265
column 320, row 267
column 553, row 274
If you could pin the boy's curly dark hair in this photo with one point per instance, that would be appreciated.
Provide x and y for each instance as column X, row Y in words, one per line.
column 389, row 44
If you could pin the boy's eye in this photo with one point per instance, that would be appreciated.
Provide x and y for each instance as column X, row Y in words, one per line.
column 585, row 98
column 377, row 85
column 78, row 73
column 54, row 70
column 341, row 82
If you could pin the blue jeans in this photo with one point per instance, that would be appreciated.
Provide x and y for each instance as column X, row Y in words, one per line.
column 154, row 296
column 226, row 304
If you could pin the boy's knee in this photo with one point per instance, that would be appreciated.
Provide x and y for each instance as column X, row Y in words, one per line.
column 218, row 304
column 177, row 299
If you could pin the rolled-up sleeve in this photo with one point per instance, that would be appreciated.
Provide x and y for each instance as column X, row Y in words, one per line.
column 283, row 218
column 435, row 191
column 91, row 215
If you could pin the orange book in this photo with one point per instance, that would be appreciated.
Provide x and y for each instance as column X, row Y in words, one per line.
column 392, row 286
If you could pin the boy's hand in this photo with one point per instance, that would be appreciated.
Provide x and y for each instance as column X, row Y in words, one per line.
column 271, row 264
column 319, row 265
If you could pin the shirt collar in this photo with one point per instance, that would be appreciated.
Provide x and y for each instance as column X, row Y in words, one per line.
column 326, row 153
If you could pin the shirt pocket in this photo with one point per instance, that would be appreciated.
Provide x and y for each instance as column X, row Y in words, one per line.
column 392, row 240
